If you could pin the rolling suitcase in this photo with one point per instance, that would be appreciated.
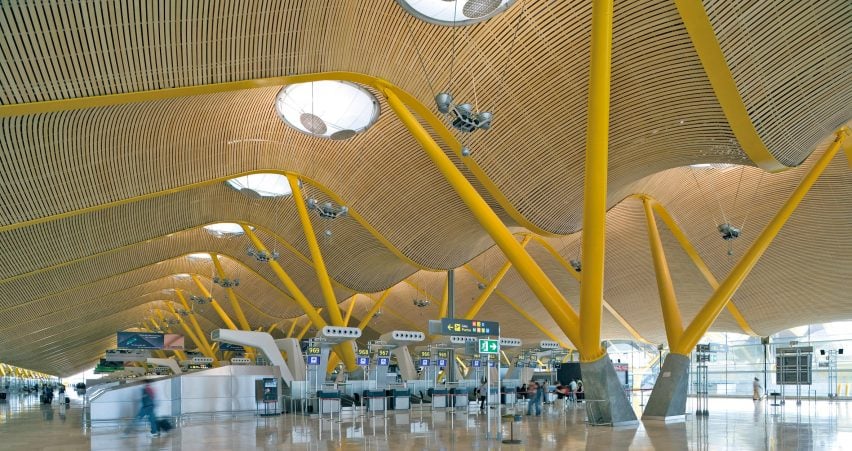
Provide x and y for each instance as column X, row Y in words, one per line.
column 165, row 425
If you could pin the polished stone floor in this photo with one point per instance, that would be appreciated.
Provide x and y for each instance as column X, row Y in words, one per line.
column 736, row 424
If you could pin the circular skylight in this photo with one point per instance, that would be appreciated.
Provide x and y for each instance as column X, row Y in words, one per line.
column 225, row 229
column 261, row 185
column 455, row 12
column 328, row 109
column 200, row 256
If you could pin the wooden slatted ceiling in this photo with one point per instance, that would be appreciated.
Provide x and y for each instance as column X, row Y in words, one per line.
column 791, row 64
column 528, row 66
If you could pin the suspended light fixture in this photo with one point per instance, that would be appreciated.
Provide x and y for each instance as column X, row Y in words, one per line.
column 261, row 185
column 226, row 283
column 327, row 109
column 262, row 256
column 455, row 12
column 421, row 303
column 225, row 229
column 327, row 210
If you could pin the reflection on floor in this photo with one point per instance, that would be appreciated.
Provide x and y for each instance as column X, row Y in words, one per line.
column 739, row 424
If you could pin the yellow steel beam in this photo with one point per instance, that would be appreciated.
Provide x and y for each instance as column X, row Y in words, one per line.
column 349, row 309
column 724, row 86
column 307, row 326
column 668, row 299
column 235, row 304
column 532, row 274
column 594, row 189
column 520, row 311
column 292, row 327
column 375, row 308
column 179, row 353
column 579, row 278
column 690, row 250
column 847, row 147
column 316, row 255
column 218, row 308
column 707, row 315
column 380, row 84
column 445, row 298
column 291, row 286
column 199, row 332
column 491, row 286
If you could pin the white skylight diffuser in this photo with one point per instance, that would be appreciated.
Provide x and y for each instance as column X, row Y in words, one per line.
column 200, row 256
column 224, row 229
column 328, row 109
column 261, row 185
column 455, row 12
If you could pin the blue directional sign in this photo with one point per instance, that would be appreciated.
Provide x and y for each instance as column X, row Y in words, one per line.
column 362, row 361
column 383, row 361
column 442, row 362
column 425, row 362
column 476, row 363
column 467, row 327
column 492, row 363
column 313, row 360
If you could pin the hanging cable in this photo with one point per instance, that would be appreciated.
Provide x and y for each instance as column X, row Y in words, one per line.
column 703, row 194
column 420, row 58
column 453, row 50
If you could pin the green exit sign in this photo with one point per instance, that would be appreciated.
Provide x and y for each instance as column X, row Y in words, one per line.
column 489, row 346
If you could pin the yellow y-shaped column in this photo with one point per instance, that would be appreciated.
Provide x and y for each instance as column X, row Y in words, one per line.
column 492, row 285
column 235, row 304
column 218, row 308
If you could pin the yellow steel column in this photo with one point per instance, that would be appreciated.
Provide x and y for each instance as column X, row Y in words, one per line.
column 445, row 299
column 699, row 262
column 668, row 300
column 704, row 319
column 235, row 305
column 293, row 327
column 532, row 274
column 291, row 286
column 492, row 285
column 349, row 310
column 218, row 308
column 375, row 308
column 316, row 255
column 520, row 311
column 594, row 192
column 199, row 332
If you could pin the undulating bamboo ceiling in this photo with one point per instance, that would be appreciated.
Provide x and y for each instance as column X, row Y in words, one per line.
column 100, row 206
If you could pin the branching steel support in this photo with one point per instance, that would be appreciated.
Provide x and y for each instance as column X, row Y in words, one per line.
column 492, row 285
column 235, row 304
column 668, row 300
column 707, row 315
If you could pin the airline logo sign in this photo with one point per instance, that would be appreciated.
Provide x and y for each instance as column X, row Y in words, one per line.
column 489, row 346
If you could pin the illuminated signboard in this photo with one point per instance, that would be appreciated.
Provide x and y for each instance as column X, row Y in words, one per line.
column 384, row 352
column 466, row 327
column 425, row 362
column 425, row 354
column 475, row 363
column 139, row 340
column 443, row 354
column 313, row 360
column 442, row 362
column 364, row 352
column 362, row 361
column 313, row 350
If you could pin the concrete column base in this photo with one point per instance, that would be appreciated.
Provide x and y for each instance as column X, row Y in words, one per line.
column 603, row 388
column 668, row 399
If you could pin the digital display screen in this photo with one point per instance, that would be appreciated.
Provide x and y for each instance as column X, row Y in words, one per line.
column 364, row 352
column 384, row 352
column 313, row 350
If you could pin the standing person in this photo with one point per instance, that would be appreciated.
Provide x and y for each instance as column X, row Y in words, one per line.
column 147, row 410
column 482, row 391
column 534, row 394
column 573, row 387
column 757, row 390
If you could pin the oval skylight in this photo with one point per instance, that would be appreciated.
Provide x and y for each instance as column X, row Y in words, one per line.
column 225, row 229
column 261, row 185
column 200, row 256
column 455, row 12
column 328, row 108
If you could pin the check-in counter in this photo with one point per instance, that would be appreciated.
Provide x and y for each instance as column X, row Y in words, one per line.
column 329, row 401
column 508, row 395
column 440, row 398
column 461, row 396
column 375, row 400
column 400, row 399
